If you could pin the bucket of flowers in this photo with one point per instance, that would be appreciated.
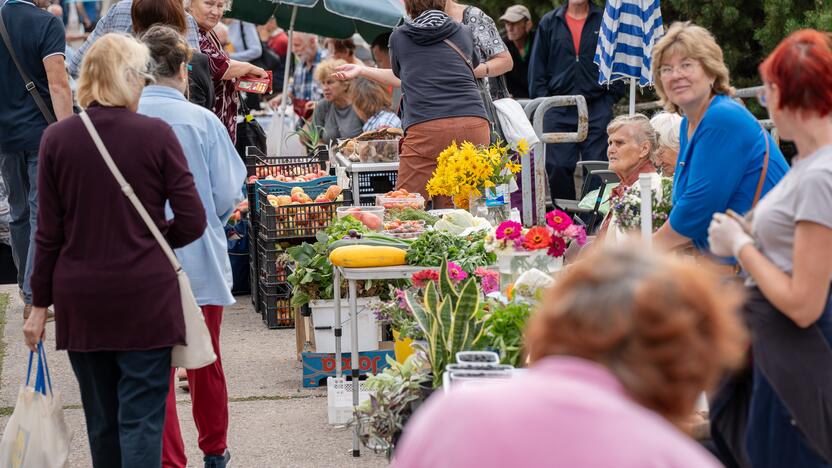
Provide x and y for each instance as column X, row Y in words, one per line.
column 626, row 208
column 521, row 249
column 478, row 177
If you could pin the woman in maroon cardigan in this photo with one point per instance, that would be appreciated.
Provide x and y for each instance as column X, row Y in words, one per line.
column 116, row 296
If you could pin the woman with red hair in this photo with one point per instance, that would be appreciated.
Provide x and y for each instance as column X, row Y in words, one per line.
column 784, row 247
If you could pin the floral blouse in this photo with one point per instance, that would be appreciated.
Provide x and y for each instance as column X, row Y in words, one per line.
column 488, row 43
column 227, row 100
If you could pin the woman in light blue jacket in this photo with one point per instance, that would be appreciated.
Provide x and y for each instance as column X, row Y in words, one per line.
column 219, row 175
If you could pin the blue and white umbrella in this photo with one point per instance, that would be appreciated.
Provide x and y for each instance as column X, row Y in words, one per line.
column 629, row 31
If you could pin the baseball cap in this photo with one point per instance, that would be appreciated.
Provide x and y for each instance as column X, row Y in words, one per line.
column 516, row 13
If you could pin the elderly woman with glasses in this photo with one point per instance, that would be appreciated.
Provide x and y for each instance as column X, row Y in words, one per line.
column 726, row 159
column 667, row 127
column 118, row 311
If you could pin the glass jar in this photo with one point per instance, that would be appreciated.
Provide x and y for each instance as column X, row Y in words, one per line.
column 512, row 264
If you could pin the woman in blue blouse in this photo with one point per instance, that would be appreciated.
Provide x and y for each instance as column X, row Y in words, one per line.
column 722, row 146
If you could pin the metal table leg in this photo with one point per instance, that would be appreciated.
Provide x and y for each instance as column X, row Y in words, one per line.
column 356, row 193
column 354, row 362
column 336, row 280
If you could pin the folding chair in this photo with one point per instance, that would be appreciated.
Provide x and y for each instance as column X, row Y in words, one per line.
column 587, row 169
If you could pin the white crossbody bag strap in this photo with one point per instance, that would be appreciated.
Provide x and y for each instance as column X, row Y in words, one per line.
column 129, row 193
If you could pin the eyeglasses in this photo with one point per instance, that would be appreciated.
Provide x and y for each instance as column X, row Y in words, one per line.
column 685, row 68
column 761, row 97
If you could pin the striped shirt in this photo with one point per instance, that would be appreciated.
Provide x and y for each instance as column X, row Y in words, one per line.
column 304, row 86
column 382, row 119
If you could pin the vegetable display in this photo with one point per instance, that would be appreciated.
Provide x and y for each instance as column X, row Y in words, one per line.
column 367, row 256
column 433, row 247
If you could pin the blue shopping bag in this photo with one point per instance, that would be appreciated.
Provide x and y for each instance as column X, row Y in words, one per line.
column 238, row 254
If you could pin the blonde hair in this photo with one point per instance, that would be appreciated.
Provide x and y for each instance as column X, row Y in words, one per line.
column 326, row 68
column 642, row 130
column 695, row 42
column 113, row 72
column 369, row 98
column 667, row 127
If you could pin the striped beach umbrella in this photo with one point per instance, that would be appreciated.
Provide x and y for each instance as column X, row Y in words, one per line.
column 629, row 31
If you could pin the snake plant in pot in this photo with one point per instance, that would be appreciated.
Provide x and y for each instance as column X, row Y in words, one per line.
column 449, row 316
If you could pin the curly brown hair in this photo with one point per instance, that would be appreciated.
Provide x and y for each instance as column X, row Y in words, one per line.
column 666, row 328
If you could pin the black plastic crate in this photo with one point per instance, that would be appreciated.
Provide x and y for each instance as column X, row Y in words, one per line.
column 376, row 182
column 252, row 261
column 286, row 222
column 271, row 264
column 275, row 305
column 262, row 165
column 255, row 289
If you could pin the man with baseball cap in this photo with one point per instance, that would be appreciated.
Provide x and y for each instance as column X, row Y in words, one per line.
column 518, row 39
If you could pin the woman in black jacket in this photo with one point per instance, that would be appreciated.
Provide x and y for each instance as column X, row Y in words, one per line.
column 433, row 61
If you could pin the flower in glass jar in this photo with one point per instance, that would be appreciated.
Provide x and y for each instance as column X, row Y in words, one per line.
column 509, row 230
column 537, row 238
column 558, row 220
column 420, row 279
column 455, row 272
column 558, row 247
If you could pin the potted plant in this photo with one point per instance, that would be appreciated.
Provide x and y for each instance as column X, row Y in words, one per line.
column 505, row 323
column 448, row 315
column 394, row 395
column 310, row 135
column 520, row 249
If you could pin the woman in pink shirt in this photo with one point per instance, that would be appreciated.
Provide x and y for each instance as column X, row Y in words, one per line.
column 622, row 347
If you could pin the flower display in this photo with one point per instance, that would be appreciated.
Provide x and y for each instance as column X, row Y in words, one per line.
column 537, row 238
column 509, row 230
column 456, row 273
column 554, row 237
column 627, row 207
column 420, row 279
column 489, row 279
column 558, row 220
column 465, row 170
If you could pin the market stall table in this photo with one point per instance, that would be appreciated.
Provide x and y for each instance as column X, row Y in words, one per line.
column 352, row 275
column 354, row 169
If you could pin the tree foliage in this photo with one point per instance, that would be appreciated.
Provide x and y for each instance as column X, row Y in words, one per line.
column 746, row 29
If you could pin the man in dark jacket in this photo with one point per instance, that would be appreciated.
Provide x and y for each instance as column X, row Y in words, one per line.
column 562, row 64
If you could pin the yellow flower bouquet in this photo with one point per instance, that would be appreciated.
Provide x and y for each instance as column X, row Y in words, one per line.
column 466, row 170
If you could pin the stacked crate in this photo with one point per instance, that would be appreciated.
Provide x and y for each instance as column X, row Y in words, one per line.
column 276, row 228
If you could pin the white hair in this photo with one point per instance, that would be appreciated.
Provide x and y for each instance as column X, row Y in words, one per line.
column 668, row 126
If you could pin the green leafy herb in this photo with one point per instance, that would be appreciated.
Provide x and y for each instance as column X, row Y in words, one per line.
column 504, row 327
column 432, row 247
column 410, row 214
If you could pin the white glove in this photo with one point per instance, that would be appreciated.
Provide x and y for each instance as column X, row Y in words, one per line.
column 726, row 236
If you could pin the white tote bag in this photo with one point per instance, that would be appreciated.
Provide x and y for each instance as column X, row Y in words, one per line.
column 198, row 352
column 36, row 435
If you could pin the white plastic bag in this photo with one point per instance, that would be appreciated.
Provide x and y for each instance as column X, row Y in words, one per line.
column 279, row 138
column 36, row 435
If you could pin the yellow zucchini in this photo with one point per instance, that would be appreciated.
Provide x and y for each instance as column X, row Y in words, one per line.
column 367, row 256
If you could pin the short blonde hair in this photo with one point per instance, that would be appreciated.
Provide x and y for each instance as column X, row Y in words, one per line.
column 697, row 43
column 113, row 72
column 642, row 130
column 667, row 127
column 369, row 98
column 326, row 68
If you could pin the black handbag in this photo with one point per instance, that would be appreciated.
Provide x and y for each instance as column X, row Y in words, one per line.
column 249, row 132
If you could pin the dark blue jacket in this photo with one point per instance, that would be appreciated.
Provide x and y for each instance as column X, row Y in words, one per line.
column 557, row 69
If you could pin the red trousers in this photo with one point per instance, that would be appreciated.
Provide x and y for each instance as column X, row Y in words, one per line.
column 209, row 396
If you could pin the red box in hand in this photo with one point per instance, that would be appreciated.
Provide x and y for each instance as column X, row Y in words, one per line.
column 251, row 84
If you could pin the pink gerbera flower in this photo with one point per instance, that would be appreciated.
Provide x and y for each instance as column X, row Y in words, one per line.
column 509, row 230
column 455, row 272
column 558, row 220
column 420, row 279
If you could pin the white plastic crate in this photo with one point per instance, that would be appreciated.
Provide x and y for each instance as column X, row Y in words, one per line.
column 323, row 319
column 339, row 399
